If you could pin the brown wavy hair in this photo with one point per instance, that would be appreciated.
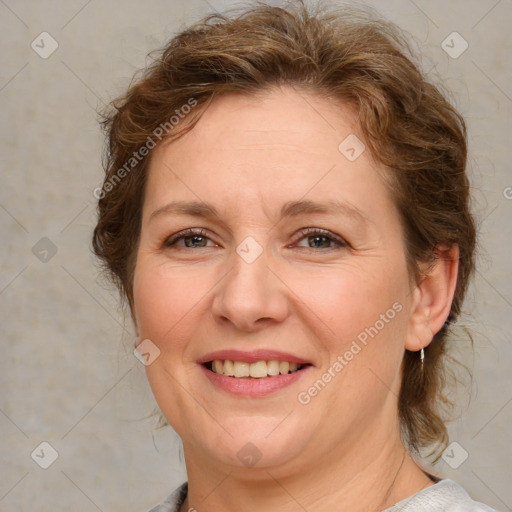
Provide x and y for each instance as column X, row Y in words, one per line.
column 348, row 54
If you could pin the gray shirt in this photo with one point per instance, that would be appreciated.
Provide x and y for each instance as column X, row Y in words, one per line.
column 444, row 496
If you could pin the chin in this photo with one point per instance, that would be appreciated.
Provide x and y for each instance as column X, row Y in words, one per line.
column 255, row 442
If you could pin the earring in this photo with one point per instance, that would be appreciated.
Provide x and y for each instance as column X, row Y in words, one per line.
column 422, row 357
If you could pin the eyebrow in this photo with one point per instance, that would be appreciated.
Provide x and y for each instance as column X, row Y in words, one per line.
column 295, row 208
column 193, row 208
column 289, row 209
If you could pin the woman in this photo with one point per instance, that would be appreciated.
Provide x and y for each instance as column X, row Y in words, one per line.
column 285, row 209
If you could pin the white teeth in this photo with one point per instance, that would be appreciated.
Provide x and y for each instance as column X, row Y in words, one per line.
column 284, row 367
column 273, row 367
column 257, row 370
column 218, row 366
column 241, row 369
column 229, row 369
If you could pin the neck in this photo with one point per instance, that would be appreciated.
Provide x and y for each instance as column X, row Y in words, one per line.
column 371, row 476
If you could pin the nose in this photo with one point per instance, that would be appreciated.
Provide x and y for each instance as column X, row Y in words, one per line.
column 251, row 296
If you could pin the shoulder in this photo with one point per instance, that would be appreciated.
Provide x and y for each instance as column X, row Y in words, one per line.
column 446, row 496
column 173, row 501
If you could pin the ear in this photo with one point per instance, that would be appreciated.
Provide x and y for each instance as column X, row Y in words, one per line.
column 432, row 298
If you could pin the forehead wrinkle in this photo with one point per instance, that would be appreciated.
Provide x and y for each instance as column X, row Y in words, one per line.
column 274, row 145
column 295, row 208
column 289, row 209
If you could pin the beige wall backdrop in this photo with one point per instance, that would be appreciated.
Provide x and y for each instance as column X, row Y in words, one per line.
column 68, row 378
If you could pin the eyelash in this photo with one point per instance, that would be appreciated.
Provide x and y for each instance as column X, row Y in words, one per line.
column 184, row 234
column 303, row 233
column 339, row 243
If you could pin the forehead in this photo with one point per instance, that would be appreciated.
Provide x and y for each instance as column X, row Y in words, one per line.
column 283, row 118
column 276, row 146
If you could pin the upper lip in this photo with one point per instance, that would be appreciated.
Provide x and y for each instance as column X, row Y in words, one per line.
column 251, row 357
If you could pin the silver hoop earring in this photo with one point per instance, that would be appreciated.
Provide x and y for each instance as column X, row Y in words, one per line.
column 422, row 357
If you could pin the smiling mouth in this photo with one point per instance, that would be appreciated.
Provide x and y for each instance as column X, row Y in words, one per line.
column 257, row 370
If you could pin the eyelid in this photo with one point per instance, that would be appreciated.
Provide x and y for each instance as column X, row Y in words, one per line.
column 299, row 235
column 171, row 240
column 302, row 233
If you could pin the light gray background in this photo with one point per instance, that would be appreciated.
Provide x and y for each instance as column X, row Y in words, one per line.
column 67, row 373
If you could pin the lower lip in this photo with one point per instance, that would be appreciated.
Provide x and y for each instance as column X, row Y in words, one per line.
column 251, row 387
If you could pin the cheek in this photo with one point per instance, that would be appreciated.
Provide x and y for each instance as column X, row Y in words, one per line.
column 359, row 320
column 167, row 303
column 348, row 300
column 165, row 300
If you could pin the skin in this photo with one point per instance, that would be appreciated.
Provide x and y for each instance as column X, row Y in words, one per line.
column 247, row 157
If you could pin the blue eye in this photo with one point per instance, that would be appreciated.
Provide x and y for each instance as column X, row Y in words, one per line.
column 190, row 238
column 195, row 241
column 314, row 238
column 310, row 238
column 318, row 241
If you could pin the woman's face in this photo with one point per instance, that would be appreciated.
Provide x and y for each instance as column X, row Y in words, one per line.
column 265, row 240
